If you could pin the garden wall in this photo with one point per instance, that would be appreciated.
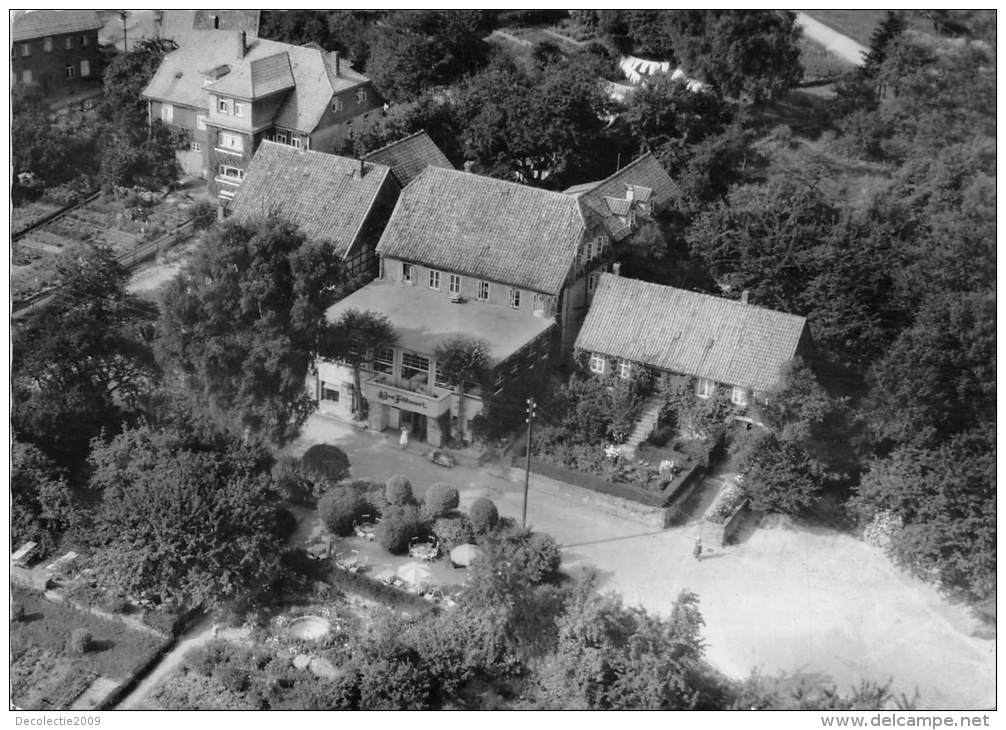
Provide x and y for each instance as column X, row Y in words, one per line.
column 651, row 515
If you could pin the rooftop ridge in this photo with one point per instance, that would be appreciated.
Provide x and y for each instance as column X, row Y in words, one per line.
column 558, row 195
column 620, row 171
column 396, row 142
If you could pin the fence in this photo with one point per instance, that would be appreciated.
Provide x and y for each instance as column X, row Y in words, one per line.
column 16, row 235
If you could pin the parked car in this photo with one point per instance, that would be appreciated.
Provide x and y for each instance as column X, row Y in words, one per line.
column 442, row 458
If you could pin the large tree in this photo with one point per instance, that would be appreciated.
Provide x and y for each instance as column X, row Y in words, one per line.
column 183, row 520
column 741, row 53
column 53, row 150
column 356, row 338
column 42, row 506
column 463, row 361
column 243, row 321
column 85, row 359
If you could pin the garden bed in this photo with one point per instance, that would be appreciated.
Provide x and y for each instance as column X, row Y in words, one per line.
column 45, row 675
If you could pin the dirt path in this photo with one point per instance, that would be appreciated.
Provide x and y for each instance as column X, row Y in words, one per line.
column 834, row 42
column 200, row 634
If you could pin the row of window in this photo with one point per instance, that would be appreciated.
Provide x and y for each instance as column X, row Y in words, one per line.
column 231, row 173
column 338, row 106
column 230, row 106
column 454, row 286
column 70, row 70
column 705, row 388
column 415, row 367
column 47, row 45
column 593, row 248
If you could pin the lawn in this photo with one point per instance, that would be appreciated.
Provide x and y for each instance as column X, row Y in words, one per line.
column 860, row 24
column 818, row 63
column 45, row 676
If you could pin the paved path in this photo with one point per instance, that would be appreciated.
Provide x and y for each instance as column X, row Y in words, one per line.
column 834, row 42
column 784, row 599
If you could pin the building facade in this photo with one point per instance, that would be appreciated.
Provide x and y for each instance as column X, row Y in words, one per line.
column 229, row 92
column 56, row 51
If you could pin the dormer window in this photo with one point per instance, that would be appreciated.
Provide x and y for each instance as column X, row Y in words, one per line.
column 223, row 105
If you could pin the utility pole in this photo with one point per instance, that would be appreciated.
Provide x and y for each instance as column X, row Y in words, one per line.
column 125, row 40
column 527, row 458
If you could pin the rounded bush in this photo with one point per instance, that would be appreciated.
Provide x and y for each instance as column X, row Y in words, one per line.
column 372, row 492
column 323, row 461
column 397, row 527
column 484, row 515
column 398, row 491
column 285, row 524
column 441, row 499
column 340, row 508
column 79, row 641
column 453, row 531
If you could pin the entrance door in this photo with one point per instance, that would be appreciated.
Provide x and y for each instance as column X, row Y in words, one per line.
column 417, row 425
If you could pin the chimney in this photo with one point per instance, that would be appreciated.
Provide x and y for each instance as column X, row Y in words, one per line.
column 361, row 168
column 616, row 268
column 244, row 44
column 469, row 164
column 744, row 296
column 336, row 54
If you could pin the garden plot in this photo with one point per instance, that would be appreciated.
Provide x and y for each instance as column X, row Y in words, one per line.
column 25, row 216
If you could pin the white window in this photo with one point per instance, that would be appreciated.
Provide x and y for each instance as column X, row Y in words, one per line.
column 295, row 141
column 201, row 122
column 223, row 105
column 232, row 173
column 592, row 280
column 705, row 388
column 600, row 243
column 196, row 147
column 384, row 361
column 68, row 43
column 71, row 71
column 739, row 396
column 83, row 41
column 239, row 108
column 434, row 279
column 167, row 113
column 361, row 96
column 282, row 137
column 624, row 369
column 337, row 105
column 230, row 141
column 454, row 284
column 515, row 297
column 406, row 272
column 597, row 363
column 498, row 381
column 329, row 391
column 415, row 367
column 85, row 69
column 380, row 267
column 26, row 77
column 25, row 50
column 484, row 291
column 47, row 45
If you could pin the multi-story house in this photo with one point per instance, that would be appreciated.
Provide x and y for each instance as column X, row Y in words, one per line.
column 56, row 51
column 230, row 92
column 728, row 347
column 344, row 201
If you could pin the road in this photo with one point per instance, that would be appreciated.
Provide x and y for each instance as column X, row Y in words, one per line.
column 784, row 599
column 834, row 42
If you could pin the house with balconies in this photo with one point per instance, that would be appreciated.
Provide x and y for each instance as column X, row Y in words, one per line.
column 341, row 200
column 229, row 91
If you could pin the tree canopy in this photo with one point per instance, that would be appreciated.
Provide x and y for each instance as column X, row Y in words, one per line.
column 243, row 321
column 356, row 338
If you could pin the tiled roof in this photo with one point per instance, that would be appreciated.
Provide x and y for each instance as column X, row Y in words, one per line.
column 246, row 20
column 486, row 228
column 410, row 156
column 179, row 79
column 28, row 24
column 260, row 78
column 424, row 319
column 645, row 174
column 694, row 334
column 322, row 193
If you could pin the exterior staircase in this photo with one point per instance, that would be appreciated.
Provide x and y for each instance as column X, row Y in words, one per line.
column 647, row 422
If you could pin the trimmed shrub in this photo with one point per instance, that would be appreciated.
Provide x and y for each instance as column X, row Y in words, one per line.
column 483, row 515
column 292, row 483
column 340, row 508
column 441, row 499
column 535, row 554
column 372, row 492
column 204, row 215
column 452, row 531
column 79, row 641
column 398, row 525
column 325, row 462
column 398, row 491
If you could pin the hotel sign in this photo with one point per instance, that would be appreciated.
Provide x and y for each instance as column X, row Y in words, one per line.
column 401, row 398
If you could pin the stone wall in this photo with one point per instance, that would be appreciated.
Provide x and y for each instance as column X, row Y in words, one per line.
column 655, row 517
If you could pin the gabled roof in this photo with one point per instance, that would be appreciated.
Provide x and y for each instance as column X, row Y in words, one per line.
column 321, row 193
column 693, row 334
column 28, row 24
column 410, row 156
column 260, row 78
column 179, row 79
column 486, row 228
column 645, row 174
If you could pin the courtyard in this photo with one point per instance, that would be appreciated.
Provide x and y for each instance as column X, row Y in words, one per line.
column 785, row 598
